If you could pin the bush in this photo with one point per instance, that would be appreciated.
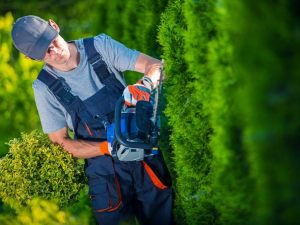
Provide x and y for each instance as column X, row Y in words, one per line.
column 189, row 125
column 267, row 51
column 232, row 184
column 17, row 109
column 34, row 167
column 39, row 212
column 200, row 31
column 171, row 39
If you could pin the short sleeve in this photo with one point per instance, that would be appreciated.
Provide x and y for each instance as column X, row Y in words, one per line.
column 51, row 114
column 117, row 54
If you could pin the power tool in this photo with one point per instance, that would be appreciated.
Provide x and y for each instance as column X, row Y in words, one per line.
column 134, row 133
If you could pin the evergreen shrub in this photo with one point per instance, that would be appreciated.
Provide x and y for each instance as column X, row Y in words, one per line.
column 110, row 22
column 170, row 37
column 267, row 53
column 190, row 129
column 147, row 24
column 34, row 167
column 38, row 212
column 201, row 30
column 232, row 185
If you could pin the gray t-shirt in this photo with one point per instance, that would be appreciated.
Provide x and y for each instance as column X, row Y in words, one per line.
column 82, row 80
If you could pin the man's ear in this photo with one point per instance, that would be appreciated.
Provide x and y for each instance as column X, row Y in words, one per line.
column 54, row 25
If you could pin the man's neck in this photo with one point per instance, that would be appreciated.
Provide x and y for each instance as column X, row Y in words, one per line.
column 73, row 62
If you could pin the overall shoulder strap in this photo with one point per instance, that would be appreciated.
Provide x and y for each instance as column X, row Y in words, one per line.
column 72, row 103
column 56, row 86
column 95, row 59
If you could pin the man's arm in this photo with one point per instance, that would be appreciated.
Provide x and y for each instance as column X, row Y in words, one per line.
column 145, row 64
column 148, row 66
column 77, row 148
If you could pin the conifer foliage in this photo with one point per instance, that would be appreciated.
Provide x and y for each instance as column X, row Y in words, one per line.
column 232, row 105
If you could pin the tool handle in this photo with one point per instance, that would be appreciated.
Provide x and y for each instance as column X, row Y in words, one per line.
column 118, row 133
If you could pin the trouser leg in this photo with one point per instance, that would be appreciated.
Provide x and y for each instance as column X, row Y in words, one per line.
column 155, row 207
column 109, row 189
column 152, row 205
column 154, row 200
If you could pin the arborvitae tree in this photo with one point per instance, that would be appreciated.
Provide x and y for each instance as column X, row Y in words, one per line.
column 266, row 55
column 75, row 18
column 189, row 125
column 130, row 18
column 232, row 186
column 200, row 31
column 170, row 37
column 113, row 19
column 147, row 26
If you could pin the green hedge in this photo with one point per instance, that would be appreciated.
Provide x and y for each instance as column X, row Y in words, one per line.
column 189, row 126
column 75, row 18
column 134, row 23
column 170, row 35
column 266, row 39
column 232, row 185
column 239, row 71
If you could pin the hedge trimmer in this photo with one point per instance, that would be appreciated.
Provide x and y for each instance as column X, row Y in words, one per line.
column 136, row 129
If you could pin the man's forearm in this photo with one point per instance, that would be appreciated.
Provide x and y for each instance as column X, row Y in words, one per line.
column 78, row 148
column 81, row 148
column 150, row 67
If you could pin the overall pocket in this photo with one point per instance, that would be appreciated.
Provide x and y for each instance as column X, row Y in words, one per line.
column 104, row 187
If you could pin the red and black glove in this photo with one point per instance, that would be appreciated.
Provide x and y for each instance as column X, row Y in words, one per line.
column 140, row 91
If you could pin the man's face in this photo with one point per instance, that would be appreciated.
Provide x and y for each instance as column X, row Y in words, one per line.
column 57, row 53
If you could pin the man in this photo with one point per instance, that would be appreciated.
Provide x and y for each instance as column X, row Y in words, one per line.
column 77, row 89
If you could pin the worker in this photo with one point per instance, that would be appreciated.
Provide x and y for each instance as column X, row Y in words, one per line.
column 77, row 90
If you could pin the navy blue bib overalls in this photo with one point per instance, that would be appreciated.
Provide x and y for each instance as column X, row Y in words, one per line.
column 117, row 189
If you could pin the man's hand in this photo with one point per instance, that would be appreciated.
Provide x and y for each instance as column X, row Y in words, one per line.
column 138, row 92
